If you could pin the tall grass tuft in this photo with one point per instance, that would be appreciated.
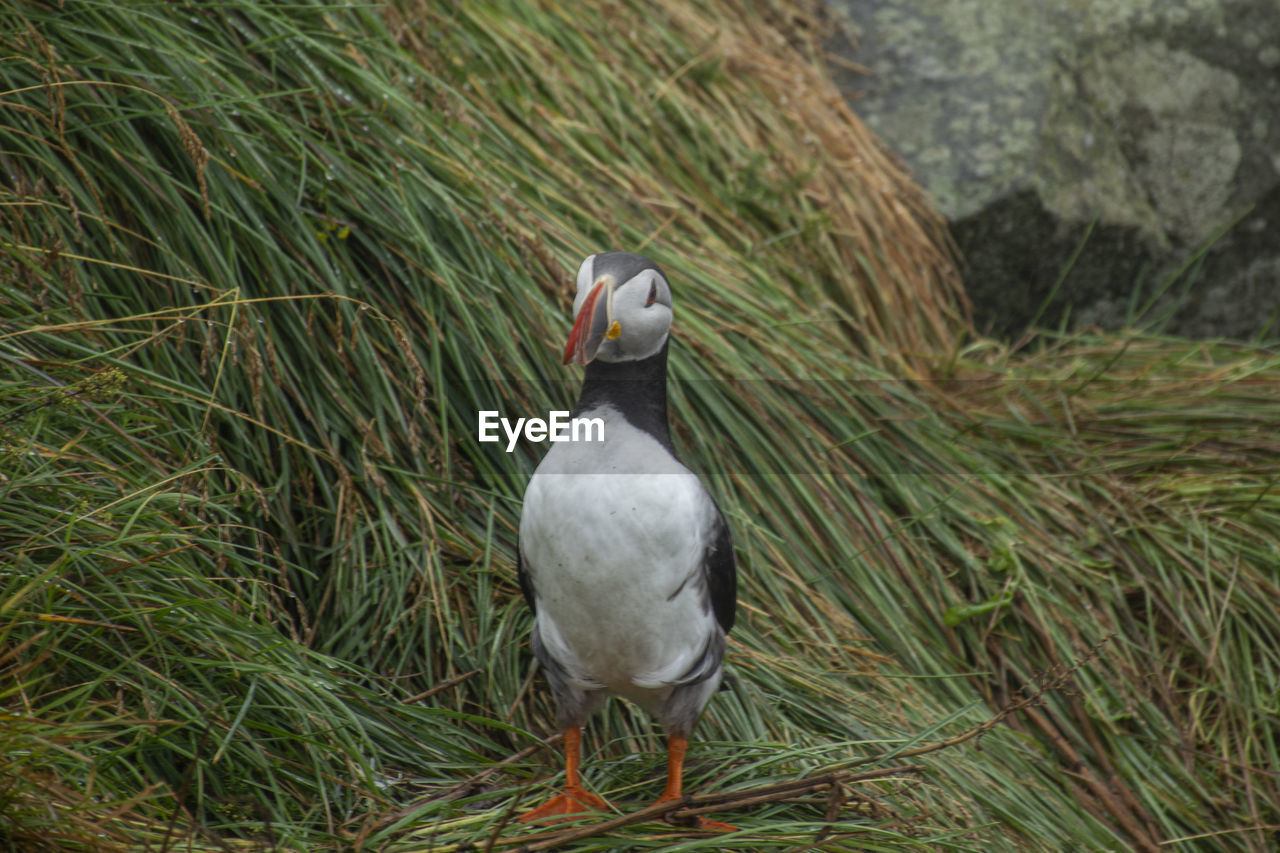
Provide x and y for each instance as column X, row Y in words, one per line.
column 261, row 265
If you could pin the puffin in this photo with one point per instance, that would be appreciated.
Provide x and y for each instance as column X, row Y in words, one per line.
column 623, row 556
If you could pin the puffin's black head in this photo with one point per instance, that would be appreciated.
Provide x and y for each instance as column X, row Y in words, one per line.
column 623, row 309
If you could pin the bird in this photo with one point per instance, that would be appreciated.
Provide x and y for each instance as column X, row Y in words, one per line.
column 623, row 555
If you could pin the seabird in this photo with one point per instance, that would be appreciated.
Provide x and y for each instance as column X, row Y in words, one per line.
column 624, row 557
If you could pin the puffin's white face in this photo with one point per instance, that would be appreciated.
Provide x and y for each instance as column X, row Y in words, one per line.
column 623, row 309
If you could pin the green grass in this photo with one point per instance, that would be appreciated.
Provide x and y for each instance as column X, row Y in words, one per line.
column 261, row 265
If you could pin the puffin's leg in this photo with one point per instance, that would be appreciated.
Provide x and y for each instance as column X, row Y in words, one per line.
column 575, row 799
column 677, row 745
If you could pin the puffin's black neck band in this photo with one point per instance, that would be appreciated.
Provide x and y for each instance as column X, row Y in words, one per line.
column 636, row 389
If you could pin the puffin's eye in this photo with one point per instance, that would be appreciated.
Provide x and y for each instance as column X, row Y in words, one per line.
column 653, row 295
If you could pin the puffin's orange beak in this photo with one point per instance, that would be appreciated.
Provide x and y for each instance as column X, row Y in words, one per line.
column 593, row 325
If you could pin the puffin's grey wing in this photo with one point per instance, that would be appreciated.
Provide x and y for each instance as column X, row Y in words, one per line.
column 721, row 574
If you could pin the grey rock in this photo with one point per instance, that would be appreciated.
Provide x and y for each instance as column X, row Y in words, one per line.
column 1152, row 126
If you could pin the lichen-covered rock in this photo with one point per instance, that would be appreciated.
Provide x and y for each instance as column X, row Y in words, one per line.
column 1151, row 125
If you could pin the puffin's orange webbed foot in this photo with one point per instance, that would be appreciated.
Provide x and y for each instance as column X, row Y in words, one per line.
column 574, row 801
column 676, row 747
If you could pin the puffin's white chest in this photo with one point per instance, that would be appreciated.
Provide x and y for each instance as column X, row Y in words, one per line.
column 613, row 536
